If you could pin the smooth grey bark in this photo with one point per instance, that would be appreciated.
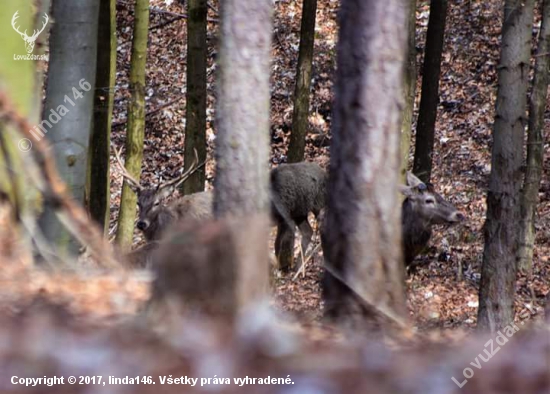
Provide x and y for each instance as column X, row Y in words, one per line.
column 362, row 234
column 67, row 117
column 498, row 272
column 535, row 145
column 195, row 130
column 242, row 145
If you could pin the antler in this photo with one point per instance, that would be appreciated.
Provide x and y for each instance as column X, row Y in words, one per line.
column 134, row 185
column 183, row 177
column 37, row 32
column 15, row 16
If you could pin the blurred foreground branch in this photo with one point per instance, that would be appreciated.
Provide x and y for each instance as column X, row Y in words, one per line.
column 73, row 216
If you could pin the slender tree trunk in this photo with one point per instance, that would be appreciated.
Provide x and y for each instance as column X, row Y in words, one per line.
column 498, row 273
column 18, row 81
column 136, row 123
column 300, row 115
column 68, row 108
column 99, row 154
column 409, row 90
column 242, row 145
column 195, row 132
column 429, row 98
column 535, row 145
column 362, row 234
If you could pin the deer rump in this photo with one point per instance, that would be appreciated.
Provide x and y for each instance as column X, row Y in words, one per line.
column 296, row 189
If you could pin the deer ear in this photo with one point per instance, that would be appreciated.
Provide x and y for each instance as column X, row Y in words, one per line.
column 407, row 191
column 414, row 182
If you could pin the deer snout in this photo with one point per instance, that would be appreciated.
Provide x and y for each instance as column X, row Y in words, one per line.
column 143, row 225
column 458, row 217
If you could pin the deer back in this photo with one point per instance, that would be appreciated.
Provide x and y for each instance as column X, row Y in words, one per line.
column 298, row 188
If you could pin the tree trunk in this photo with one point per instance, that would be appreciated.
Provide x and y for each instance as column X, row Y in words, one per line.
column 362, row 233
column 68, row 108
column 535, row 145
column 195, row 132
column 498, row 273
column 242, row 147
column 99, row 154
column 243, row 109
column 300, row 122
column 136, row 123
column 18, row 81
column 409, row 90
column 429, row 98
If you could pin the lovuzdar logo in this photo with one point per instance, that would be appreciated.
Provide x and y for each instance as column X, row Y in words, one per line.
column 29, row 40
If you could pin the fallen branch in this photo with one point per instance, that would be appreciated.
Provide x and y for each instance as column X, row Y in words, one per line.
column 152, row 112
column 176, row 16
column 72, row 215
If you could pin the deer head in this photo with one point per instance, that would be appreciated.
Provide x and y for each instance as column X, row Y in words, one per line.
column 428, row 206
column 29, row 40
column 152, row 213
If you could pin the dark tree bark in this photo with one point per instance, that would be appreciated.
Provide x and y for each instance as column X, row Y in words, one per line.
column 409, row 90
column 242, row 144
column 362, row 233
column 136, row 123
column 429, row 98
column 498, row 273
column 300, row 122
column 98, row 196
column 535, row 145
column 195, row 131
column 68, row 107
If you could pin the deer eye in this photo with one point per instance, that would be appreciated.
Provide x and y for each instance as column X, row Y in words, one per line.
column 430, row 201
column 156, row 204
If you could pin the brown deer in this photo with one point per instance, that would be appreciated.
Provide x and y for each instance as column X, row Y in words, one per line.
column 295, row 190
column 423, row 207
column 154, row 216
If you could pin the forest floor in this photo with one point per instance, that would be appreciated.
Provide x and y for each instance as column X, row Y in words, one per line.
column 437, row 296
column 441, row 302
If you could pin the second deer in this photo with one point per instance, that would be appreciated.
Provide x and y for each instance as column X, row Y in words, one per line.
column 423, row 207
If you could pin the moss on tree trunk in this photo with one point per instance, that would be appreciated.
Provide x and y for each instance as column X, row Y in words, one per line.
column 136, row 123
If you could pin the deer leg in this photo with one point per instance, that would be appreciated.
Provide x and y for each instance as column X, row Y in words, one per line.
column 307, row 232
column 284, row 246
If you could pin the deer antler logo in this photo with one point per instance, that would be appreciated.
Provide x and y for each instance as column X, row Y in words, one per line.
column 29, row 40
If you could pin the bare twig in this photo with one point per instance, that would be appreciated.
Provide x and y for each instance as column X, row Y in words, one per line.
column 302, row 269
